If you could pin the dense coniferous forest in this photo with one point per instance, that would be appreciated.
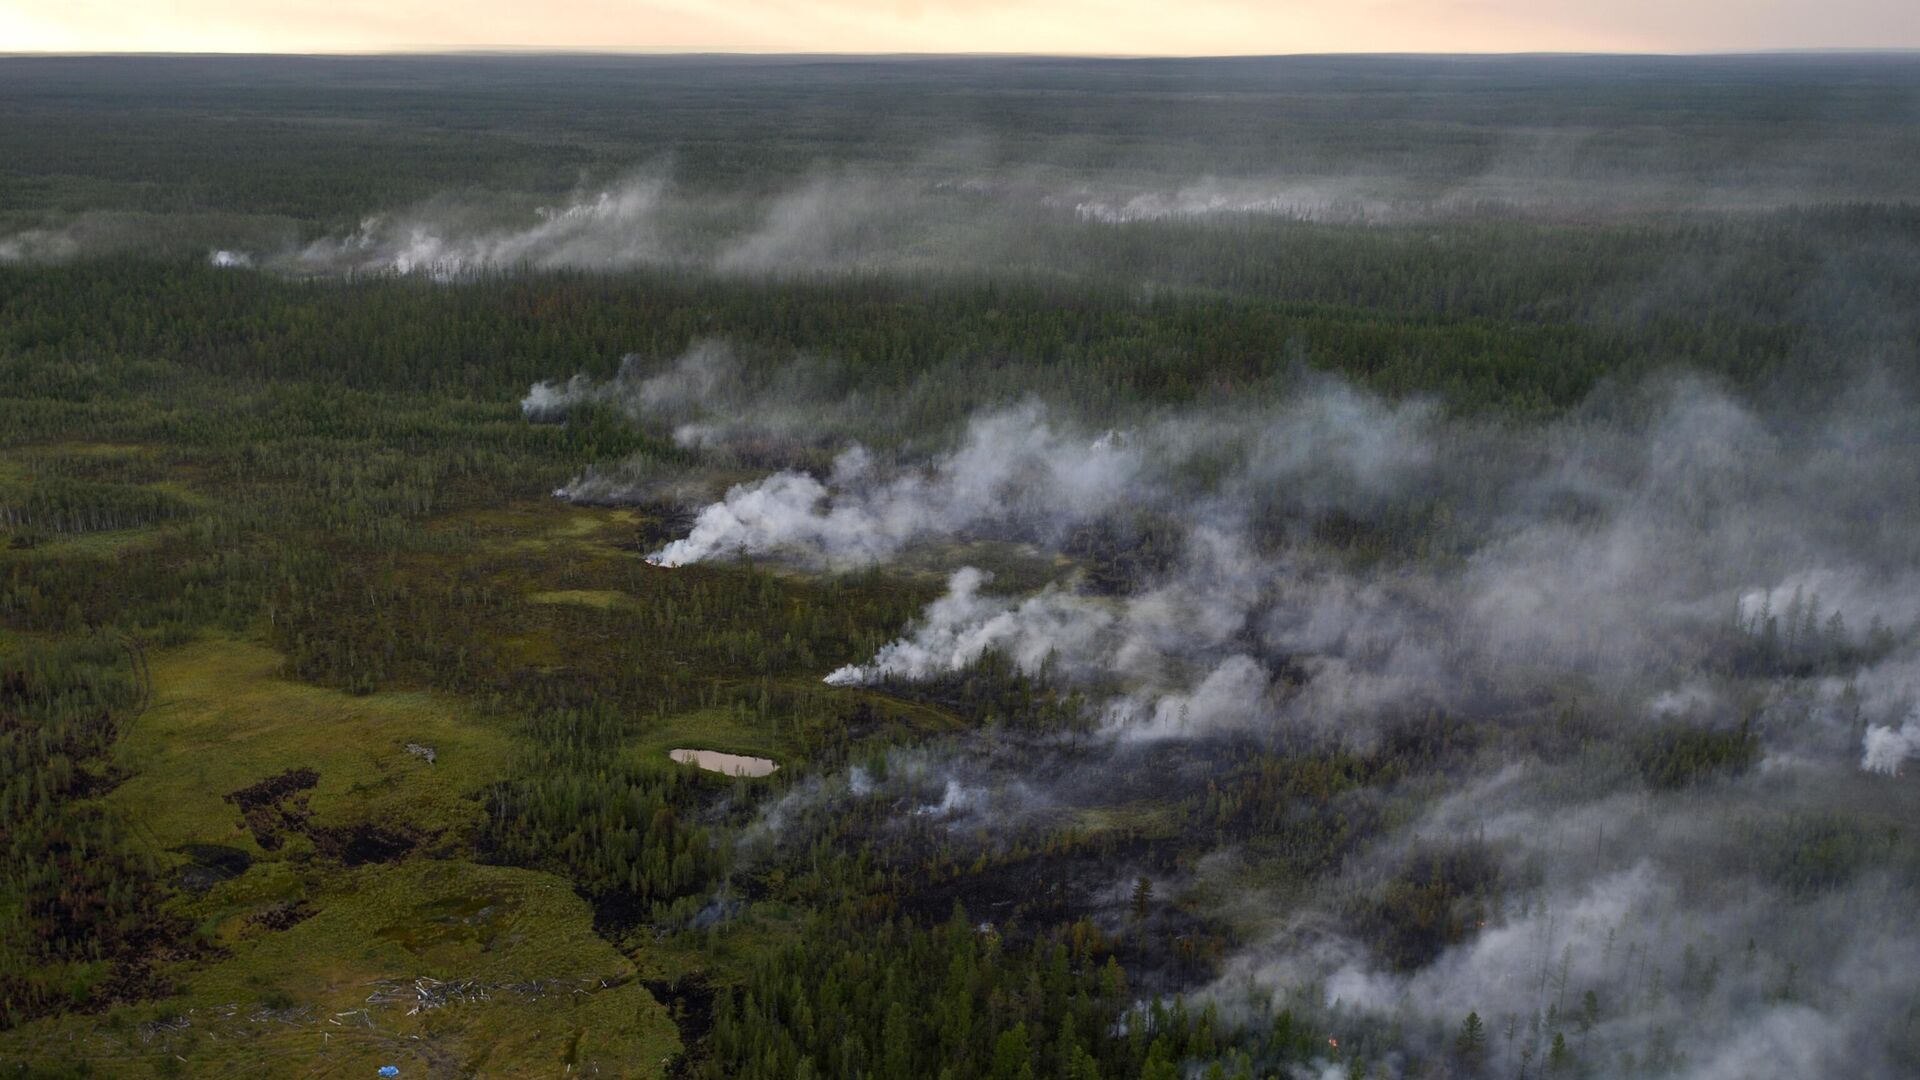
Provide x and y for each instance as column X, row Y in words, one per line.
column 1293, row 567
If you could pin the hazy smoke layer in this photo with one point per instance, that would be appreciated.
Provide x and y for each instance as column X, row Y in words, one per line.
column 1311, row 200
column 941, row 217
column 970, row 205
column 700, row 396
column 611, row 228
column 38, row 245
column 1643, row 940
column 90, row 234
column 709, row 400
column 1331, row 569
column 833, row 222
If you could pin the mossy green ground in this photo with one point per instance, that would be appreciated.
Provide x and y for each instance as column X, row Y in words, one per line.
column 335, row 995
column 294, row 1001
column 99, row 545
column 593, row 598
column 299, row 942
column 223, row 719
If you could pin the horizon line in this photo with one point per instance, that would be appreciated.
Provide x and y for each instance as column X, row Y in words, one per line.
column 694, row 51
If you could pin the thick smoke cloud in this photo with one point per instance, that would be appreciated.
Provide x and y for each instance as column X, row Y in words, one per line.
column 961, row 627
column 1672, row 559
column 1631, row 553
column 1011, row 469
column 1888, row 747
column 1645, row 931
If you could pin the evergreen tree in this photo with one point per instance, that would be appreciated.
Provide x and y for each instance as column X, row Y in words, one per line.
column 1470, row 1045
column 1012, row 1055
column 1559, row 1058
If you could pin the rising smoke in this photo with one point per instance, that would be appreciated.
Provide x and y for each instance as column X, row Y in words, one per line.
column 613, row 228
column 948, row 213
column 1677, row 560
column 1633, row 552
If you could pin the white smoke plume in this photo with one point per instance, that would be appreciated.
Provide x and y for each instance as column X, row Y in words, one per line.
column 1011, row 466
column 1172, row 653
column 1887, row 748
column 67, row 238
column 1025, row 470
column 1859, row 602
column 547, row 401
column 1650, row 934
column 1230, row 696
column 937, row 216
column 39, row 246
column 611, row 228
column 829, row 222
column 1696, row 565
column 710, row 398
column 963, row 626
column 689, row 395
column 1610, row 551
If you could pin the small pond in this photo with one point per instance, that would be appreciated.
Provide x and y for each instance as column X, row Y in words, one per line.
column 729, row 764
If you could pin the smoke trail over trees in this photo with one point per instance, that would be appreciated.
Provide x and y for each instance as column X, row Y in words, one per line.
column 1690, row 615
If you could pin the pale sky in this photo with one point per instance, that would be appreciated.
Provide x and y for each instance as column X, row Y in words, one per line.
column 1180, row 27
